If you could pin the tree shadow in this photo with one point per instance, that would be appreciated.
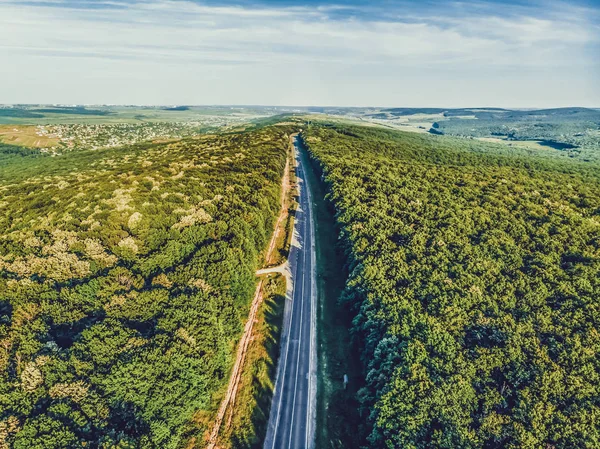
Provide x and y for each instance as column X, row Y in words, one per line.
column 263, row 371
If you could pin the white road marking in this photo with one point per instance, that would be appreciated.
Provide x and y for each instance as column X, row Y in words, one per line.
column 297, row 359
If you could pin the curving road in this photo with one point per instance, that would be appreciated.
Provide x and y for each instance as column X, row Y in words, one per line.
column 293, row 410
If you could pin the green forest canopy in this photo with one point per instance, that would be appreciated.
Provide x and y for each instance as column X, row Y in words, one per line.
column 475, row 280
column 125, row 276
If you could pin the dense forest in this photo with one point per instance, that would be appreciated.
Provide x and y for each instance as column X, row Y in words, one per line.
column 125, row 277
column 475, row 285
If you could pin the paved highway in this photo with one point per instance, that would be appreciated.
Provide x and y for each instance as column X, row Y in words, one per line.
column 293, row 410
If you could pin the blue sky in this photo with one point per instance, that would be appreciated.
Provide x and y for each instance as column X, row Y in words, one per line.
column 346, row 53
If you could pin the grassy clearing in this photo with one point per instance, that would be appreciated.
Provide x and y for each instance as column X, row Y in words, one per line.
column 246, row 427
column 529, row 144
column 284, row 236
column 337, row 418
column 25, row 136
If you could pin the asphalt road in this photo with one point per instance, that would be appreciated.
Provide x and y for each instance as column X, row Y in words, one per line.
column 293, row 410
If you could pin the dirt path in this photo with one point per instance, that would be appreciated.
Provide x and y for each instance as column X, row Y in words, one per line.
column 228, row 401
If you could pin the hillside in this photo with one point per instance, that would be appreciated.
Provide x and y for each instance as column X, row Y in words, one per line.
column 125, row 278
column 474, row 282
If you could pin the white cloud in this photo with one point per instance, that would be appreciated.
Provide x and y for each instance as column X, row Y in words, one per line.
column 226, row 46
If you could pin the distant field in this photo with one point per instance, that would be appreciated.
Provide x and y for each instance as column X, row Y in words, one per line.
column 37, row 115
column 532, row 144
column 25, row 136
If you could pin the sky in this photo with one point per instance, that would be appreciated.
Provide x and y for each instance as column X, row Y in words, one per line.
column 432, row 53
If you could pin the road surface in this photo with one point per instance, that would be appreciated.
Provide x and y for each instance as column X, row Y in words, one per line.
column 293, row 410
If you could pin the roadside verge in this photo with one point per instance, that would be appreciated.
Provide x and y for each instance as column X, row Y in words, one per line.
column 253, row 357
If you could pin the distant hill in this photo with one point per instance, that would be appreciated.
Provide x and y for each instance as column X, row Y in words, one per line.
column 18, row 113
column 483, row 113
column 177, row 108
column 77, row 110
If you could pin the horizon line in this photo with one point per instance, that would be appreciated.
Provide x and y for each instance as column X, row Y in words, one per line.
column 199, row 105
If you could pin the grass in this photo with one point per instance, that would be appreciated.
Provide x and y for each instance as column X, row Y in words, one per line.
column 284, row 234
column 529, row 144
column 337, row 416
column 25, row 136
column 246, row 428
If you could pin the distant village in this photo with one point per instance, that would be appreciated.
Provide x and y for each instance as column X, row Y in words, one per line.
column 96, row 136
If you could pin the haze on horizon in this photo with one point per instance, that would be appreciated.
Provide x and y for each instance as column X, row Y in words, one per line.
column 428, row 54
